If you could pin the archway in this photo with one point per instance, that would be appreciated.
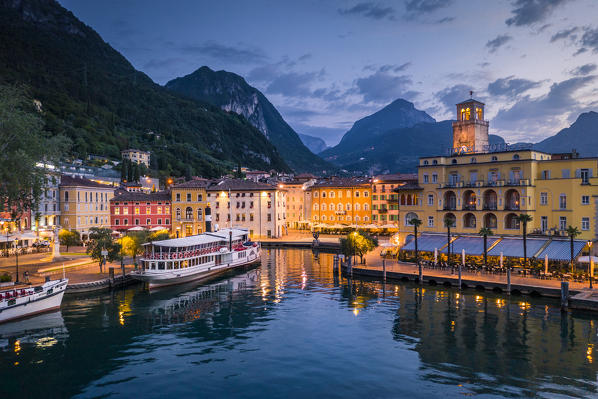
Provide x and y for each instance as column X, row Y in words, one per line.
column 490, row 221
column 469, row 200
column 512, row 200
column 511, row 222
column 490, row 200
column 450, row 201
column 469, row 221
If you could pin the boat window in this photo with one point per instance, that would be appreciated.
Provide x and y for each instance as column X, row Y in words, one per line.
column 51, row 290
column 160, row 265
column 38, row 289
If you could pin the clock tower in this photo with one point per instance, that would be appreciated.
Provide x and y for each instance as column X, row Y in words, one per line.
column 470, row 131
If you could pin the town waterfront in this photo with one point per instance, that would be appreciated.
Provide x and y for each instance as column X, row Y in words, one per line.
column 293, row 328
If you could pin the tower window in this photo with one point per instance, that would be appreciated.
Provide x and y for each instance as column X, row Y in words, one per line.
column 479, row 113
column 467, row 114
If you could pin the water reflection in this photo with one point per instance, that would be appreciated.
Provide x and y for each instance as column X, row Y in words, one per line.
column 293, row 327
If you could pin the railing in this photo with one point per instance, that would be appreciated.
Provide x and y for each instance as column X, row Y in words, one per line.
column 512, row 207
column 489, row 207
column 449, row 208
column 469, row 207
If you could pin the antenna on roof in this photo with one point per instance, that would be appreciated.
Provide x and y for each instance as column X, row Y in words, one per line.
column 470, row 93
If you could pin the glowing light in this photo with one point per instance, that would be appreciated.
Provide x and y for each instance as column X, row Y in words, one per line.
column 46, row 342
column 355, row 311
column 17, row 346
column 121, row 318
column 589, row 353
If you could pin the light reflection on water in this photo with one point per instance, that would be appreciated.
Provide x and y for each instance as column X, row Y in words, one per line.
column 294, row 328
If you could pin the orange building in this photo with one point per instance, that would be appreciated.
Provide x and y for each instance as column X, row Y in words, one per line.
column 341, row 201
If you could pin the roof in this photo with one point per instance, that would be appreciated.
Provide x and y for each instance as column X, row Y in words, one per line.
column 561, row 249
column 131, row 184
column 205, row 238
column 408, row 186
column 513, row 247
column 396, row 177
column 426, row 242
column 122, row 195
column 471, row 100
column 70, row 181
column 195, row 183
column 134, row 150
column 472, row 245
column 240, row 185
column 256, row 172
column 342, row 182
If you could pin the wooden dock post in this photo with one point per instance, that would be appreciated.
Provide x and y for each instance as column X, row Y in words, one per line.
column 111, row 276
column 564, row 295
column 459, row 276
column 384, row 269
column 508, row 280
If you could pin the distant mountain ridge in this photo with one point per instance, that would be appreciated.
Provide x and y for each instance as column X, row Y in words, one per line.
column 582, row 136
column 232, row 93
column 315, row 144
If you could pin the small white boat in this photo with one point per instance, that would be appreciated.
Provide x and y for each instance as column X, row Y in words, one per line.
column 22, row 302
column 180, row 260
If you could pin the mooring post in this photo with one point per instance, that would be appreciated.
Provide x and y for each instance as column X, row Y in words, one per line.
column 111, row 276
column 509, row 280
column 564, row 295
column 459, row 276
column 384, row 269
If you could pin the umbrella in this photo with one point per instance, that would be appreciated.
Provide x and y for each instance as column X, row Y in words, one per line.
column 586, row 259
column 158, row 228
column 389, row 226
column 136, row 228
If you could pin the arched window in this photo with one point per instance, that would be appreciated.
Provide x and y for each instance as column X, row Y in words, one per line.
column 469, row 221
column 365, row 207
column 494, row 158
column 332, row 194
column 348, row 207
column 409, row 199
column 339, row 206
column 454, row 161
column 199, row 214
column 403, row 200
column 490, row 221
column 512, row 200
column 450, row 200
column 490, row 200
column 178, row 213
column 316, row 207
column 357, row 218
column 511, row 222
column 323, row 207
column 479, row 113
column 467, row 114
column 357, row 207
column 516, row 156
column 435, row 162
column 189, row 213
column 408, row 217
column 462, row 114
column 331, row 207
column 425, row 162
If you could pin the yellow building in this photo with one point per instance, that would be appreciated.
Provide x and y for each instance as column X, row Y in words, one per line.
column 84, row 204
column 393, row 195
column 189, row 202
column 296, row 202
column 137, row 156
column 341, row 201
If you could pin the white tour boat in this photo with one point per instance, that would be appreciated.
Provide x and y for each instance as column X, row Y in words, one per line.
column 20, row 302
column 180, row 260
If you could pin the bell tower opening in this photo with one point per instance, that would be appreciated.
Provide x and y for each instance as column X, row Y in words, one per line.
column 470, row 131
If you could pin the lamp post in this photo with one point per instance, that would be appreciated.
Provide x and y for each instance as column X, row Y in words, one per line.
column 7, row 232
column 17, row 259
column 591, row 262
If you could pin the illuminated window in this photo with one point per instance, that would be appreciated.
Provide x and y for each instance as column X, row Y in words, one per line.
column 136, row 210
column 479, row 113
column 467, row 114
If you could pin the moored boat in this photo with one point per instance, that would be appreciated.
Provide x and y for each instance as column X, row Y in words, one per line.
column 19, row 302
column 180, row 260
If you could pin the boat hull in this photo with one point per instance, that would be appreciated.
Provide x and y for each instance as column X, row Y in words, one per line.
column 34, row 306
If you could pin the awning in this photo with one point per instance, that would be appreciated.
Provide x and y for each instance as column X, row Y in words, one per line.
column 586, row 259
column 136, row 228
column 158, row 228
column 471, row 245
column 561, row 249
column 513, row 247
column 426, row 242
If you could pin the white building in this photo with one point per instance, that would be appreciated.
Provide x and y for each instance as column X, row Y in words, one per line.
column 136, row 156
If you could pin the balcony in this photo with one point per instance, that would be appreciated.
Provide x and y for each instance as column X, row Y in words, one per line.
column 489, row 207
column 469, row 207
column 449, row 208
column 383, row 210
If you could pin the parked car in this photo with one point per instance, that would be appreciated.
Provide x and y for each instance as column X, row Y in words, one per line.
column 41, row 244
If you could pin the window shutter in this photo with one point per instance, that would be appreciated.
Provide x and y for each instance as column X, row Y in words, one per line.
column 578, row 173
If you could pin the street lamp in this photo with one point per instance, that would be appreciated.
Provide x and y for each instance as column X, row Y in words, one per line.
column 591, row 261
column 17, row 258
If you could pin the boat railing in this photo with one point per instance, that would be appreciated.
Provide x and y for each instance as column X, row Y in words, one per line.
column 181, row 254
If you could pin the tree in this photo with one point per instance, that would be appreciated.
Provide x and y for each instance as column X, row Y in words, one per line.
column 572, row 232
column 448, row 223
column 69, row 238
column 100, row 239
column 159, row 235
column 129, row 170
column 135, row 172
column 123, row 170
column 524, row 219
column 132, row 243
column 23, row 146
column 357, row 243
column 485, row 232
column 415, row 222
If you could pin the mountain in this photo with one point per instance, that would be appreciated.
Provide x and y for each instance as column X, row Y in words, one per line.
column 399, row 150
column 231, row 92
column 315, row 144
column 92, row 94
column 582, row 136
column 398, row 114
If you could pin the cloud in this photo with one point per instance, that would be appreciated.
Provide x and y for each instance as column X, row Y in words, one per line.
column 589, row 39
column 529, row 12
column 497, row 42
column 164, row 63
column 369, row 10
column 445, row 20
column 388, row 67
column 565, row 34
column 419, row 7
column 511, row 87
column 584, row 70
column 228, row 54
column 294, row 84
column 452, row 95
column 529, row 113
column 383, row 86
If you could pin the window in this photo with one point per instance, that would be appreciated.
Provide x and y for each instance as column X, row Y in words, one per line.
column 148, row 221
column 425, row 178
column 136, row 222
column 159, row 210
column 454, row 161
column 585, row 223
column 188, row 213
column 562, row 223
column 516, row 156
column 563, row 201
column 188, row 197
column 565, row 173
column 365, row 207
column 332, row 194
column 430, row 199
column 125, row 210
column 199, row 198
column 199, row 214
column 136, row 210
column 543, row 198
column 473, row 160
column 494, row 158
column 365, row 194
column 544, row 223
column 357, row 207
column 178, row 197
column 148, row 210
column 585, row 199
column 435, row 162
column 116, row 222
column 425, row 162
column 66, row 196
column 117, row 211
column 546, row 174
column 269, row 217
column 160, row 222
column 434, row 178
column 430, row 221
column 316, row 194
column 356, row 194
column 178, row 213
column 585, row 174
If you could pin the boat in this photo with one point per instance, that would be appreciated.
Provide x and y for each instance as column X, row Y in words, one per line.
column 19, row 302
column 180, row 260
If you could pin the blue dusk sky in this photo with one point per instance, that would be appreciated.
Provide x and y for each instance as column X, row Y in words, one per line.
column 325, row 64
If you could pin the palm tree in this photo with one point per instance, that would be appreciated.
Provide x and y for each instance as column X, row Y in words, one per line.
column 572, row 232
column 524, row 218
column 448, row 223
column 415, row 222
column 485, row 232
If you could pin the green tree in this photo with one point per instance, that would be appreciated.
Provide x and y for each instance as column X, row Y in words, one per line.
column 69, row 238
column 132, row 243
column 123, row 170
column 449, row 222
column 524, row 219
column 485, row 232
column 572, row 232
column 129, row 170
column 159, row 236
column 415, row 222
column 357, row 243
column 100, row 239
column 136, row 172
column 23, row 146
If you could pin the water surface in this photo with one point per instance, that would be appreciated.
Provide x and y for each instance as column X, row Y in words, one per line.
column 292, row 328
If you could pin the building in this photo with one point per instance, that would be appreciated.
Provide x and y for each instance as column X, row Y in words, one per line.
column 84, row 204
column 189, row 202
column 296, row 200
column 258, row 207
column 129, row 209
column 256, row 175
column 136, row 156
column 341, row 201
column 387, row 203
column 47, row 214
column 478, row 186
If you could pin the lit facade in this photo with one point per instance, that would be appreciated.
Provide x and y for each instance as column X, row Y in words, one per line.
column 387, row 204
column 131, row 209
column 136, row 156
column 189, row 202
column 341, row 202
column 297, row 202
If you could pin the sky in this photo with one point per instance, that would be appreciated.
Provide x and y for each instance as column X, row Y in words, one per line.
column 325, row 64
